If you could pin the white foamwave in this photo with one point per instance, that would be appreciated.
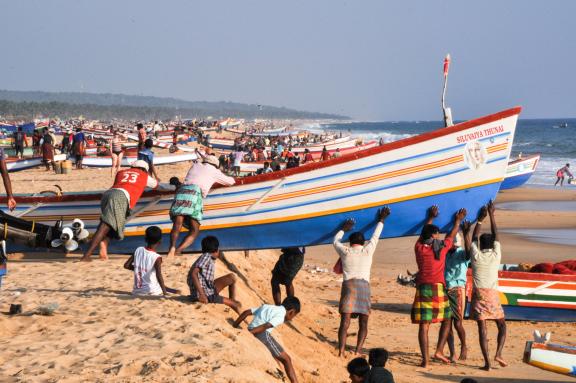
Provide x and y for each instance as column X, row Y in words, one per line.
column 545, row 173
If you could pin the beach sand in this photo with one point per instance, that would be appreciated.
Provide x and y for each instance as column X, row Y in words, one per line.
column 99, row 332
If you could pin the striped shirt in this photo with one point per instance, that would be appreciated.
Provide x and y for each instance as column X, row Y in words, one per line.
column 207, row 267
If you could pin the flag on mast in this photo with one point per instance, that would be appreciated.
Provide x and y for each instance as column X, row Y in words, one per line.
column 446, row 64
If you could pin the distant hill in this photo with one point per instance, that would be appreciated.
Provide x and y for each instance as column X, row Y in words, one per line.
column 29, row 104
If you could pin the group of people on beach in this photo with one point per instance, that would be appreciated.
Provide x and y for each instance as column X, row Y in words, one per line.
column 440, row 282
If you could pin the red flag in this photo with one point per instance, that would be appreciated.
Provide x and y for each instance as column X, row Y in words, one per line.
column 446, row 64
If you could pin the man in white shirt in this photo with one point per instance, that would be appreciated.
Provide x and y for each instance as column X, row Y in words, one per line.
column 147, row 266
column 355, row 263
column 485, row 305
column 238, row 158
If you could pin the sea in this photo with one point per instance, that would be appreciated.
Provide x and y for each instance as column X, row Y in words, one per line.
column 549, row 137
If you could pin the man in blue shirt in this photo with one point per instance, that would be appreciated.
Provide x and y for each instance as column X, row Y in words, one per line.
column 147, row 155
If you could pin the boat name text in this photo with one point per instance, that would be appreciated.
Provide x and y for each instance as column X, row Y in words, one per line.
column 480, row 134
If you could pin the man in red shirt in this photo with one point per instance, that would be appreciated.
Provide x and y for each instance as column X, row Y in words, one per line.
column 325, row 156
column 117, row 202
column 307, row 157
column 431, row 304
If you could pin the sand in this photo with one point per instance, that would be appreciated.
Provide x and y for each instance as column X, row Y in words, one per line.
column 99, row 332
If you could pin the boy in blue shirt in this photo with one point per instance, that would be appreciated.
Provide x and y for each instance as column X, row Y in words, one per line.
column 457, row 263
column 266, row 318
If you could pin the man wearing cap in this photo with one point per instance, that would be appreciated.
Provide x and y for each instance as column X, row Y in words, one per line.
column 117, row 202
column 187, row 207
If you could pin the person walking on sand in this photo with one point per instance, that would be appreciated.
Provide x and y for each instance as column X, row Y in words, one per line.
column 47, row 149
column 141, row 135
column 431, row 304
column 20, row 141
column 485, row 303
column 117, row 152
column 116, row 204
column 355, row 263
column 146, row 264
column 560, row 174
column 79, row 147
column 10, row 201
column 147, row 155
column 203, row 287
column 187, row 208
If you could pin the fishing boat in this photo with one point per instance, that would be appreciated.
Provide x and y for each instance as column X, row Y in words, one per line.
column 106, row 161
column 552, row 357
column 250, row 167
column 163, row 144
column 539, row 297
column 342, row 143
column 460, row 166
column 519, row 171
column 16, row 165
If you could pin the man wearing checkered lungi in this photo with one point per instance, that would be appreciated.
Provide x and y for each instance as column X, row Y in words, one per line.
column 355, row 263
column 431, row 304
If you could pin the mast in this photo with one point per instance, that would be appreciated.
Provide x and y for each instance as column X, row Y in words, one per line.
column 447, row 111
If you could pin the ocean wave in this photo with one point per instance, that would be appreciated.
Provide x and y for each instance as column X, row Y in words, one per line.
column 545, row 173
column 522, row 144
column 385, row 136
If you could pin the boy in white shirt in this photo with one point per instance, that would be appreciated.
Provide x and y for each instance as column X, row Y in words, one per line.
column 266, row 318
column 147, row 266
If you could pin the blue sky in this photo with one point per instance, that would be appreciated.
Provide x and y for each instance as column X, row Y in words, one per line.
column 373, row 60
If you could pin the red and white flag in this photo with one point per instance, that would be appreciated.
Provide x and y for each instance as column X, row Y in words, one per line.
column 446, row 64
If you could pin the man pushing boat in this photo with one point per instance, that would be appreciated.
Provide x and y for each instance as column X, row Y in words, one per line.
column 187, row 208
column 116, row 204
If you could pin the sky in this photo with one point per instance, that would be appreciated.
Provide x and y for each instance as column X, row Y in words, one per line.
column 372, row 60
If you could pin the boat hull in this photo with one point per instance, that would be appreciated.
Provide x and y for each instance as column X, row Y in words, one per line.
column 552, row 357
column 106, row 162
column 535, row 296
column 456, row 167
column 519, row 172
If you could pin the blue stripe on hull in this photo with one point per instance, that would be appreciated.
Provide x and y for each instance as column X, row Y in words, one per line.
column 222, row 146
column 539, row 314
column 407, row 219
column 515, row 181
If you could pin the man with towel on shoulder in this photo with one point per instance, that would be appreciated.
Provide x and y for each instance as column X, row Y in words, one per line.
column 431, row 303
column 355, row 263
column 116, row 204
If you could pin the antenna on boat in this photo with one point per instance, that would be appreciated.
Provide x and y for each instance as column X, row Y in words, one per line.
column 447, row 111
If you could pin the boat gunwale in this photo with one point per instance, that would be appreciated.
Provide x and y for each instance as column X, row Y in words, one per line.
column 440, row 132
column 528, row 158
column 524, row 275
column 555, row 347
